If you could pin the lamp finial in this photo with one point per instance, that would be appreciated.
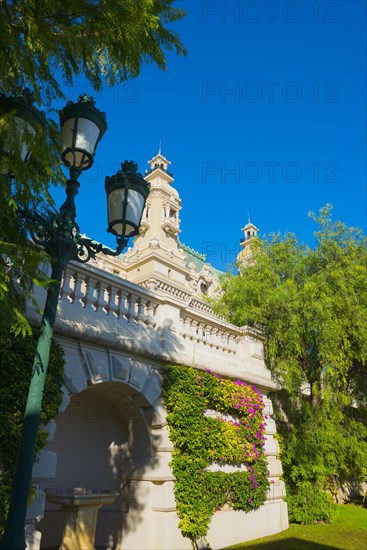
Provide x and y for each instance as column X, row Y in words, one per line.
column 129, row 166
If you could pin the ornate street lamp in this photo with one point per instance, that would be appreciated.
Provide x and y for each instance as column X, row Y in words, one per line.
column 126, row 196
column 27, row 119
column 82, row 127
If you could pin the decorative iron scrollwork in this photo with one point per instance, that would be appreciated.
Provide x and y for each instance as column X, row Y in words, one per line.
column 52, row 231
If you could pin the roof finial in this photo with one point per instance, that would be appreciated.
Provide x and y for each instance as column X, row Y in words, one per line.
column 160, row 146
column 248, row 217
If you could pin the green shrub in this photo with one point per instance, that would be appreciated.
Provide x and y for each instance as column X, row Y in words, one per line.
column 321, row 449
column 310, row 504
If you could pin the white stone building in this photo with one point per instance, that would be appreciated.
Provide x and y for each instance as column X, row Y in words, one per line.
column 119, row 321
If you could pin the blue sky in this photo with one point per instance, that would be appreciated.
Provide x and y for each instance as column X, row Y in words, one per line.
column 265, row 115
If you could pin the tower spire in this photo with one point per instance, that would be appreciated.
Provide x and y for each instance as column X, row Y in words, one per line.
column 250, row 231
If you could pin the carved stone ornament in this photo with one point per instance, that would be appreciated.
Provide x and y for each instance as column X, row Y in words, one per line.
column 154, row 242
column 193, row 283
column 152, row 285
column 132, row 254
column 144, row 226
column 207, row 283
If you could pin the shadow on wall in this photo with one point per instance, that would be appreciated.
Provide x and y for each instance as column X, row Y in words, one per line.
column 103, row 442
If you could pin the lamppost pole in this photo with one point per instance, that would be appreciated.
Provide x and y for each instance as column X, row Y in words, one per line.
column 13, row 537
column 59, row 235
column 61, row 246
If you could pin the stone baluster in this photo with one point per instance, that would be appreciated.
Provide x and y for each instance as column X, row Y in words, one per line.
column 200, row 332
column 141, row 305
column 103, row 297
column 79, row 283
column 186, row 327
column 204, row 333
column 210, row 334
column 224, row 338
column 216, row 338
column 71, row 288
column 96, row 295
column 233, row 343
column 90, row 294
column 113, row 300
column 194, row 330
column 67, row 285
column 107, row 297
column 132, row 313
column 150, row 312
column 221, row 339
column 122, row 304
column 228, row 343
column 119, row 304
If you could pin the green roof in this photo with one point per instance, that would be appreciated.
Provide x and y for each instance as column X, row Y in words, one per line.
column 199, row 260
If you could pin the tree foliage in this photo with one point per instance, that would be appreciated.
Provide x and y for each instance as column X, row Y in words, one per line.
column 27, row 188
column 16, row 362
column 44, row 45
column 310, row 304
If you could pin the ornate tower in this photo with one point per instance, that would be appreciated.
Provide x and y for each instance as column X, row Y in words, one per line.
column 163, row 206
column 156, row 251
column 158, row 260
column 250, row 231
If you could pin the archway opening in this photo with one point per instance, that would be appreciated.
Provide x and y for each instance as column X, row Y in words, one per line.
column 97, row 438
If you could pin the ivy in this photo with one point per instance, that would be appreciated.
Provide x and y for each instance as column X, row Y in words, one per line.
column 214, row 420
column 16, row 362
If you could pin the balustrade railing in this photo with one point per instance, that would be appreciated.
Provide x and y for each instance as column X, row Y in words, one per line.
column 213, row 335
column 101, row 292
column 105, row 299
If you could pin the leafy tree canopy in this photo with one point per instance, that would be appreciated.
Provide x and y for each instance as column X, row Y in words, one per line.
column 44, row 45
column 101, row 39
column 310, row 304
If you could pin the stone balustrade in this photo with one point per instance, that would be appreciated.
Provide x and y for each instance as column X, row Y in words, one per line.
column 102, row 307
column 213, row 335
column 100, row 292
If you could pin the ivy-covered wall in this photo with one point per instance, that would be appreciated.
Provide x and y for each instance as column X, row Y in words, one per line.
column 213, row 421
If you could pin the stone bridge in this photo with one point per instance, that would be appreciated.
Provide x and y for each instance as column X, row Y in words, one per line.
column 111, row 432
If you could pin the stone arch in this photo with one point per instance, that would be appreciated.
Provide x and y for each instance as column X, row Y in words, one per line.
column 102, row 436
